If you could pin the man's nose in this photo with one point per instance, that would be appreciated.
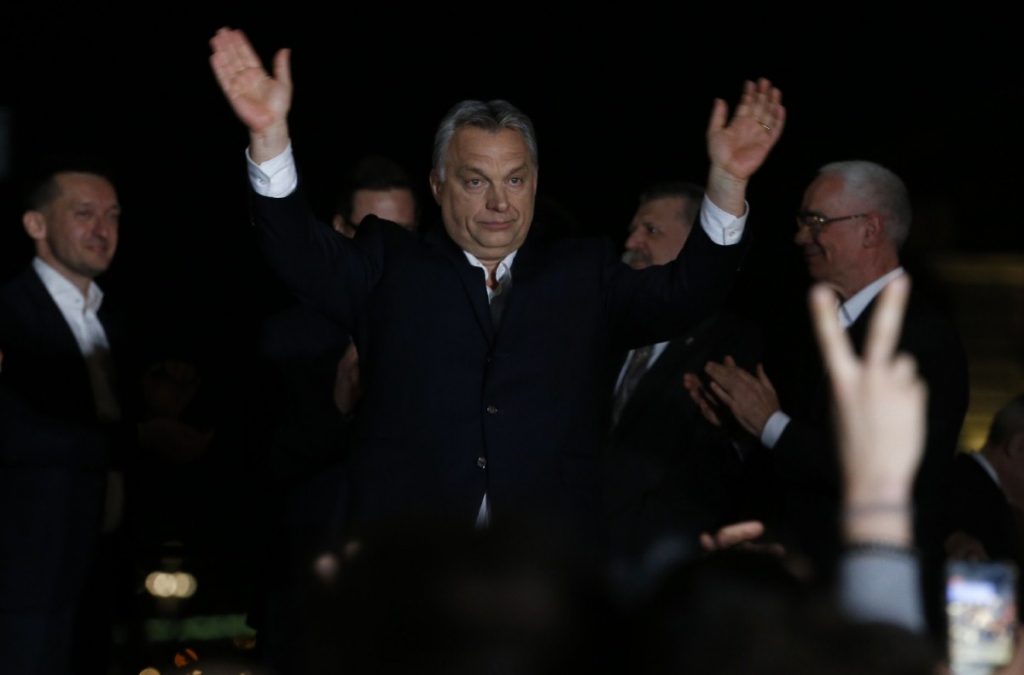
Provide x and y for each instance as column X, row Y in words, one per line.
column 497, row 197
column 635, row 239
column 803, row 236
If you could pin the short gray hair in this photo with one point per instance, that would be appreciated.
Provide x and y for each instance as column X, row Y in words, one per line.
column 883, row 189
column 490, row 116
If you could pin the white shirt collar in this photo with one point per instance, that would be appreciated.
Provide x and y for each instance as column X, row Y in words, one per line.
column 850, row 310
column 64, row 292
column 987, row 466
column 503, row 272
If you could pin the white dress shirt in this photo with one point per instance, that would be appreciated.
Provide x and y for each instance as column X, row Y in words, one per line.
column 80, row 314
column 503, row 275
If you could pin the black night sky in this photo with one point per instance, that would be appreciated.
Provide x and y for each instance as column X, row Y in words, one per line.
column 618, row 101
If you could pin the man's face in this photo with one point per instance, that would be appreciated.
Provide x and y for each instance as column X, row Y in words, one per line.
column 488, row 192
column 833, row 253
column 396, row 205
column 77, row 233
column 657, row 232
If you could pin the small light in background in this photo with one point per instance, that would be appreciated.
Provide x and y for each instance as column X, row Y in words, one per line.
column 149, row 671
column 171, row 584
column 186, row 585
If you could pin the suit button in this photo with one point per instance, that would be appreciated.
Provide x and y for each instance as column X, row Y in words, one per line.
column 481, row 462
column 492, row 409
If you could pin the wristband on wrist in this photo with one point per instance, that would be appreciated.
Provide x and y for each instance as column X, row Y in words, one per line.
column 879, row 546
column 876, row 509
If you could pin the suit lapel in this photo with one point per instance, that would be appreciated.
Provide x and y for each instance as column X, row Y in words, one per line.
column 525, row 269
column 470, row 277
column 51, row 324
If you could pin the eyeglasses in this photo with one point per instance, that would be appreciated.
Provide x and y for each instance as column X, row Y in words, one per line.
column 817, row 222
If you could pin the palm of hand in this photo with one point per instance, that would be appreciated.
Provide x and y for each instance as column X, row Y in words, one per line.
column 741, row 147
column 258, row 99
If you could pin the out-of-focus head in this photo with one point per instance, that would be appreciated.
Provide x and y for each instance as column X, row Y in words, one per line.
column 1008, row 424
column 662, row 223
column 512, row 599
column 854, row 218
column 484, row 177
column 72, row 216
column 376, row 185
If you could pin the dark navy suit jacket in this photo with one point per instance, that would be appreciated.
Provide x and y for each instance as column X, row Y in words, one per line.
column 54, row 457
column 455, row 406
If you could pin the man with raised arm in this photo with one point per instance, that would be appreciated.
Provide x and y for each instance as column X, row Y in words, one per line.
column 483, row 348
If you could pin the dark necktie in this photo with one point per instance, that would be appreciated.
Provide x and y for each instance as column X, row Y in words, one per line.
column 499, row 294
column 635, row 370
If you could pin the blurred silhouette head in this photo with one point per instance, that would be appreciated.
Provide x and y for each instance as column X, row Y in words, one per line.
column 379, row 186
column 426, row 598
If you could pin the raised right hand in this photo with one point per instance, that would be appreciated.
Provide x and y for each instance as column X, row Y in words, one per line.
column 259, row 100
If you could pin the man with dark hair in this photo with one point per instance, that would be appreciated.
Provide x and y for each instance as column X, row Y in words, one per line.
column 75, row 411
column 376, row 185
column 56, row 450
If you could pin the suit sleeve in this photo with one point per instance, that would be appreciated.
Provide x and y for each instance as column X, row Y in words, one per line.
column 806, row 454
column 664, row 301
column 319, row 266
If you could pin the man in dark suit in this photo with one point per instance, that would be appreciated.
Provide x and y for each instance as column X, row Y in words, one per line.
column 669, row 475
column 987, row 493
column 483, row 351
column 76, row 413
column 854, row 218
column 59, row 410
column 307, row 393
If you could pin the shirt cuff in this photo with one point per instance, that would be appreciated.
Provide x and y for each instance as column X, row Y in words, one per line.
column 276, row 177
column 773, row 428
column 884, row 586
column 722, row 227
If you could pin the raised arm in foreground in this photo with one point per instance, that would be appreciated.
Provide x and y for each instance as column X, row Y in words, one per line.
column 738, row 148
column 880, row 421
column 260, row 101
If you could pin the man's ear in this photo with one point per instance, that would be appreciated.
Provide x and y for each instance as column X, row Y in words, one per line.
column 34, row 223
column 874, row 230
column 435, row 185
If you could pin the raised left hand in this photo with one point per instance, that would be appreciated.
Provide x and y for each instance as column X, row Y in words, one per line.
column 737, row 148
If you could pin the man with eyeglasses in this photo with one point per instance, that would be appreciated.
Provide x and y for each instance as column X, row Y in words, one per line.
column 854, row 218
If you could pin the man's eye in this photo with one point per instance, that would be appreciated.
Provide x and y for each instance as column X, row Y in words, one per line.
column 651, row 229
column 474, row 183
column 516, row 180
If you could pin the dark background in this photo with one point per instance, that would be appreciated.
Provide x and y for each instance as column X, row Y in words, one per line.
column 619, row 99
